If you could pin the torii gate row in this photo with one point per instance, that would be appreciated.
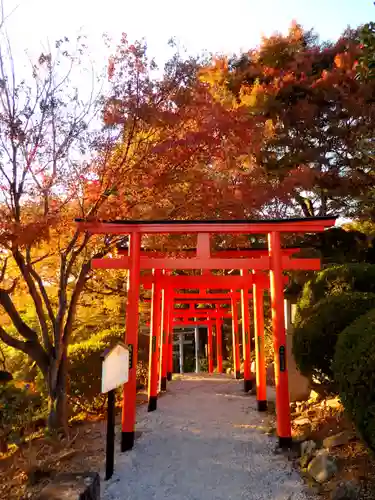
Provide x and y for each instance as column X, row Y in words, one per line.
column 260, row 280
column 275, row 262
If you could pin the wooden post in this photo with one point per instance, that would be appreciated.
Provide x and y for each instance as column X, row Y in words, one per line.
column 248, row 383
column 279, row 339
column 170, row 338
column 131, row 339
column 164, row 341
column 236, row 345
column 154, row 343
column 196, row 341
column 219, row 345
column 181, row 352
column 210, row 349
column 110, row 445
column 260, row 361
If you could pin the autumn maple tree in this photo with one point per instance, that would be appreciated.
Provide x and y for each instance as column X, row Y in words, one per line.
column 150, row 157
column 316, row 117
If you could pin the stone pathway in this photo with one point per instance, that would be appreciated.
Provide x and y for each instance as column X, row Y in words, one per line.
column 206, row 441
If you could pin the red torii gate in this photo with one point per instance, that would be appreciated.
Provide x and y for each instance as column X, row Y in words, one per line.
column 274, row 262
column 209, row 317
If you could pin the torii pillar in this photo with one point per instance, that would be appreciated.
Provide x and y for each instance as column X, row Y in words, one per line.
column 219, row 346
column 245, row 313
column 164, row 339
column 236, row 345
column 279, row 340
column 154, row 343
column 132, row 320
column 210, row 349
column 260, row 362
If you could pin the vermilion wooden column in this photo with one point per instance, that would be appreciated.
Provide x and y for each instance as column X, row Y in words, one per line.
column 154, row 343
column 131, row 338
column 210, row 349
column 279, row 338
column 164, row 339
column 170, row 338
column 248, row 383
column 236, row 344
column 260, row 361
column 219, row 346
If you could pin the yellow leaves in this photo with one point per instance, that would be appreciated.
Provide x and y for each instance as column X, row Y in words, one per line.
column 344, row 60
column 215, row 77
column 252, row 97
column 269, row 129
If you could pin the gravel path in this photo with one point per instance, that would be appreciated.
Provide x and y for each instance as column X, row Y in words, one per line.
column 204, row 442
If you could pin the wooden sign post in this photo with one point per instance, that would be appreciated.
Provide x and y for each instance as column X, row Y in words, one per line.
column 115, row 372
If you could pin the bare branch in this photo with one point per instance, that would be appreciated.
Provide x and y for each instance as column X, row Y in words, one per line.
column 25, row 271
column 31, row 348
column 3, row 269
column 22, row 328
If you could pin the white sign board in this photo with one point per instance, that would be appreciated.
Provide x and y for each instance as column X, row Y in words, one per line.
column 115, row 369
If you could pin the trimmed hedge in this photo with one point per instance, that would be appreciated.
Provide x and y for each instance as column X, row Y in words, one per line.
column 334, row 281
column 85, row 370
column 354, row 370
column 315, row 337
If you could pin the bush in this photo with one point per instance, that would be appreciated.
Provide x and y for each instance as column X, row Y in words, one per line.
column 85, row 371
column 334, row 281
column 110, row 337
column 20, row 407
column 354, row 371
column 315, row 337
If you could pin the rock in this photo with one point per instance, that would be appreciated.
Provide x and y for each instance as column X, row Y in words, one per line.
column 307, row 452
column 293, row 407
column 322, row 467
column 314, row 396
column 304, row 461
column 308, row 447
column 302, row 421
column 73, row 486
column 332, row 403
column 339, row 439
column 347, row 490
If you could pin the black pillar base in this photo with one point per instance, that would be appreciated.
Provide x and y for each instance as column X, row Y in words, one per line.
column 262, row 405
column 285, row 443
column 163, row 384
column 247, row 385
column 127, row 441
column 169, row 376
column 152, row 403
column 238, row 375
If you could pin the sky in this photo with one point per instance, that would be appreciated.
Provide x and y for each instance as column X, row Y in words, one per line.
column 211, row 25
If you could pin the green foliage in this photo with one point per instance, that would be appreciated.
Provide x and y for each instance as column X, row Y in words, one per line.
column 354, row 370
column 334, row 281
column 85, row 370
column 19, row 408
column 315, row 336
column 366, row 66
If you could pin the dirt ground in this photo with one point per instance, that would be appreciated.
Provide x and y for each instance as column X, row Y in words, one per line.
column 26, row 470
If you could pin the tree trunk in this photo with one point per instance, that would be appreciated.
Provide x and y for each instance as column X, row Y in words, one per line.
column 57, row 401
